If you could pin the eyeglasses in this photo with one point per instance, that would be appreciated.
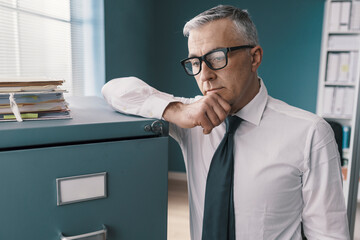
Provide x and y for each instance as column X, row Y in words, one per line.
column 215, row 60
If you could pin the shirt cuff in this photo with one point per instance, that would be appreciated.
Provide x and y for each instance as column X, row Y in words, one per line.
column 155, row 105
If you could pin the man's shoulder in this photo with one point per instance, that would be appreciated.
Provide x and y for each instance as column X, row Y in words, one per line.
column 297, row 120
column 291, row 112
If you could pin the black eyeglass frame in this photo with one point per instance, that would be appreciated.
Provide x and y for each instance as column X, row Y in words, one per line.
column 203, row 58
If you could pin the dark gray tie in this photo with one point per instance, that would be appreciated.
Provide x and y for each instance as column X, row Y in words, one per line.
column 219, row 216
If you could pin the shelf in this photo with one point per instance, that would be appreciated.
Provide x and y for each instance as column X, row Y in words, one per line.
column 340, row 84
column 341, row 38
column 335, row 117
column 348, row 32
column 342, row 50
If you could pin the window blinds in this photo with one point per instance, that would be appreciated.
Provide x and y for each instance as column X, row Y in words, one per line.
column 53, row 39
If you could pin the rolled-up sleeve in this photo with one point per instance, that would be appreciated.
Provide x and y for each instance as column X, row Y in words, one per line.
column 131, row 95
column 324, row 213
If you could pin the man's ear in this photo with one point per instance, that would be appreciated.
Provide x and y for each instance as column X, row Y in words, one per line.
column 256, row 57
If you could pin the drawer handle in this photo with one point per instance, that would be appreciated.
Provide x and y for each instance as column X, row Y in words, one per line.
column 156, row 127
column 98, row 235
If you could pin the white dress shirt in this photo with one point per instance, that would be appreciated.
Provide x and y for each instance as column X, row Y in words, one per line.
column 287, row 166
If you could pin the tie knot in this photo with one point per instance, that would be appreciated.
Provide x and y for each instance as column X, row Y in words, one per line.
column 232, row 123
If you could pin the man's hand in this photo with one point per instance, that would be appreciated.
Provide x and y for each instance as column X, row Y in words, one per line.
column 208, row 112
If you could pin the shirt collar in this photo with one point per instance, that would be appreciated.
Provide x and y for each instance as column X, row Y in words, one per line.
column 253, row 111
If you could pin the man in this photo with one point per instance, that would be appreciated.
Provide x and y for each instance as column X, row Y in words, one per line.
column 286, row 167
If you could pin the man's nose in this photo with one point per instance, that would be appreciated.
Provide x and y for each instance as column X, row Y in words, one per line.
column 206, row 74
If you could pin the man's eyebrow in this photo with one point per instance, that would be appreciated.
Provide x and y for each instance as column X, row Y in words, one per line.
column 193, row 55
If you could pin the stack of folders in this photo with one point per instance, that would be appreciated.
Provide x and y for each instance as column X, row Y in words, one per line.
column 32, row 99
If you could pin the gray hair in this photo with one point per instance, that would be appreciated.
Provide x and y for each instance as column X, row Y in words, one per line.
column 241, row 19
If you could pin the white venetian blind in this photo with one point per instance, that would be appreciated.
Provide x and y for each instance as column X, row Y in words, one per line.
column 54, row 39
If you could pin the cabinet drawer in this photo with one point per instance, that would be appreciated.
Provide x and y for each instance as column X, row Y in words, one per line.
column 136, row 202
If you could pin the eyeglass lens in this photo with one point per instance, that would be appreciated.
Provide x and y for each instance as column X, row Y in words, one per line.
column 214, row 60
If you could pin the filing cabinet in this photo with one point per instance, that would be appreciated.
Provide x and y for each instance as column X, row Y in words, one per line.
column 127, row 154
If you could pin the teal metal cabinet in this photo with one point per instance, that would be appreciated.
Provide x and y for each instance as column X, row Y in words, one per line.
column 97, row 140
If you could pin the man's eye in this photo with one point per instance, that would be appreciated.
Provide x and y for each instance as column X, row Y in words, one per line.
column 217, row 59
column 195, row 64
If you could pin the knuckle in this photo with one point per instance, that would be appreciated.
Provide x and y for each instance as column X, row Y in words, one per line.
column 207, row 130
column 203, row 106
column 227, row 108
column 217, row 122
column 222, row 118
column 209, row 98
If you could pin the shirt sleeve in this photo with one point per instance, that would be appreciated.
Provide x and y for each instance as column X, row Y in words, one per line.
column 324, row 214
column 131, row 95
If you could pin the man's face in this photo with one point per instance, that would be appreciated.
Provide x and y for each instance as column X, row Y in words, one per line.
column 237, row 82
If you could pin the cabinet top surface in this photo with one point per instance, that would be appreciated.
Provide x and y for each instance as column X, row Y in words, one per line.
column 83, row 110
column 92, row 119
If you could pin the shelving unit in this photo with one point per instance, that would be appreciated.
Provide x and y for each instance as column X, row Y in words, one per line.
column 338, row 90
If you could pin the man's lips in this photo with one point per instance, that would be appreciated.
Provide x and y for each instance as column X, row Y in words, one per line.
column 213, row 90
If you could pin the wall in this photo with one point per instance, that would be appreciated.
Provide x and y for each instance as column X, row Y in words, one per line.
column 144, row 38
column 127, row 32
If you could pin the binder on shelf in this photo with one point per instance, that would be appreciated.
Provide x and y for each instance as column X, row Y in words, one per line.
column 328, row 100
column 332, row 67
column 344, row 65
column 355, row 16
column 345, row 16
column 335, row 12
column 354, row 66
column 348, row 103
column 346, row 137
column 339, row 101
